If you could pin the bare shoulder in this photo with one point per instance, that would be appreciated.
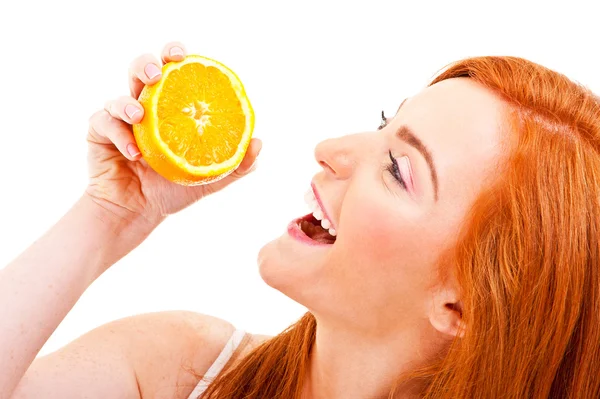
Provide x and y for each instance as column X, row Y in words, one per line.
column 155, row 355
column 170, row 351
column 186, row 345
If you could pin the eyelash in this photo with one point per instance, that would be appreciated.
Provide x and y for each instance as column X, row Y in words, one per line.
column 394, row 170
column 383, row 122
column 392, row 167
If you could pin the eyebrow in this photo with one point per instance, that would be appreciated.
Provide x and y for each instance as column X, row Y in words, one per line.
column 405, row 134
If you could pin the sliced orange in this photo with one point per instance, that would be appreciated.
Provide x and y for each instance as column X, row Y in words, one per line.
column 198, row 122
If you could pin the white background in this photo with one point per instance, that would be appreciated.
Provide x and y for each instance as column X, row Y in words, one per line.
column 312, row 70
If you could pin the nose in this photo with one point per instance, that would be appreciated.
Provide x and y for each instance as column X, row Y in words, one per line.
column 338, row 156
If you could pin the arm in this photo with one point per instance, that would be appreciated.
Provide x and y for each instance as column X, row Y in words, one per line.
column 124, row 201
column 41, row 286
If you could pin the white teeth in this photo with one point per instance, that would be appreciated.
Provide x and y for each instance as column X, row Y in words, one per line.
column 318, row 214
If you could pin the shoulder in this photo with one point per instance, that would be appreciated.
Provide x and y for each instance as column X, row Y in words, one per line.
column 165, row 352
column 185, row 345
column 155, row 355
column 170, row 351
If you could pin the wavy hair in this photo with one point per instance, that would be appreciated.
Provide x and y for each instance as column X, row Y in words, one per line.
column 526, row 260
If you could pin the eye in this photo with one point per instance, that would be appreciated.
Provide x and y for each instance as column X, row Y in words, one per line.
column 394, row 170
column 383, row 122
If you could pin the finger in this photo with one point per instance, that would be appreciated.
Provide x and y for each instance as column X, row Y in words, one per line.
column 144, row 70
column 174, row 51
column 126, row 109
column 104, row 129
column 249, row 160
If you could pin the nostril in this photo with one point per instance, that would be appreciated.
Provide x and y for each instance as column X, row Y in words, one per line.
column 326, row 166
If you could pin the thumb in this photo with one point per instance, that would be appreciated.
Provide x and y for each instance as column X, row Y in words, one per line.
column 248, row 164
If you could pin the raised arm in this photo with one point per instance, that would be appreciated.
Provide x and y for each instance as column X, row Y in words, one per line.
column 123, row 203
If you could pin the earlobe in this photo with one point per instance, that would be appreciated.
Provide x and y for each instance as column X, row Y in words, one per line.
column 446, row 314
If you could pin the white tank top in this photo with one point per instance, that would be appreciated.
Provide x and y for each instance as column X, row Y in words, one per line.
column 217, row 366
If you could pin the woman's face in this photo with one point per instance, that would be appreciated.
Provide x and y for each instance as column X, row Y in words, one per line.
column 392, row 219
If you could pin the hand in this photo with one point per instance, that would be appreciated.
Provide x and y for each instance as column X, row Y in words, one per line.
column 120, row 180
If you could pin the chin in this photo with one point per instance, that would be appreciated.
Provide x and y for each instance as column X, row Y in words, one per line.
column 270, row 264
column 294, row 263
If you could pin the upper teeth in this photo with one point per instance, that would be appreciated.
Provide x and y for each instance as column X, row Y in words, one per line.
column 318, row 213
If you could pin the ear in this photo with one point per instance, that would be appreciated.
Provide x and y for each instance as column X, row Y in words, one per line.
column 445, row 314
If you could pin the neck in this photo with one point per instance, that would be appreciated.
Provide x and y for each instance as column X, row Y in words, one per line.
column 349, row 364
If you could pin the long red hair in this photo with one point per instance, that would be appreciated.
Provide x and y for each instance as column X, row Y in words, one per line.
column 527, row 260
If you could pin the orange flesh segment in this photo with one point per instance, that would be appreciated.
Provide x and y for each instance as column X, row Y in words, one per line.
column 201, row 118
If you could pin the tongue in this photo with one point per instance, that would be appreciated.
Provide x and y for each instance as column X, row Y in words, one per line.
column 322, row 236
column 317, row 233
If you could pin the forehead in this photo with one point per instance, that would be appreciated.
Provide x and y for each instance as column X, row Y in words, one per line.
column 460, row 121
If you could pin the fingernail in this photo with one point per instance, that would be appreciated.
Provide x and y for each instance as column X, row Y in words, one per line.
column 254, row 166
column 152, row 71
column 260, row 146
column 176, row 52
column 133, row 150
column 131, row 111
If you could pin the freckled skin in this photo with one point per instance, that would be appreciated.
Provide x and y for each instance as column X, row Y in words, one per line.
column 380, row 271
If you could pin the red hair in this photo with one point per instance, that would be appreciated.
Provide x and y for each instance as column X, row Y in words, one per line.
column 526, row 261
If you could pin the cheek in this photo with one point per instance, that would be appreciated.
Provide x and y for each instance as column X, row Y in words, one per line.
column 371, row 228
column 375, row 234
column 387, row 237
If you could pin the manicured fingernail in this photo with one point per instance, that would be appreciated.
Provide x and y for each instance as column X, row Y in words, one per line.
column 176, row 52
column 133, row 150
column 152, row 71
column 131, row 111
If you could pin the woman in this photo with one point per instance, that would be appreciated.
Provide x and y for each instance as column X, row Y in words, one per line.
column 458, row 259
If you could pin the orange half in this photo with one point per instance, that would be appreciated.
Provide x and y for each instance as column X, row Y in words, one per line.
column 198, row 121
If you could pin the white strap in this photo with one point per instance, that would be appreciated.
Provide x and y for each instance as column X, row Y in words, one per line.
column 217, row 366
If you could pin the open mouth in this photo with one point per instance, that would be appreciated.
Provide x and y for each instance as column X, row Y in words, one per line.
column 314, row 230
column 317, row 226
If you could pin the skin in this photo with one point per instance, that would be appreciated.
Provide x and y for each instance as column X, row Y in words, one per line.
column 375, row 292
